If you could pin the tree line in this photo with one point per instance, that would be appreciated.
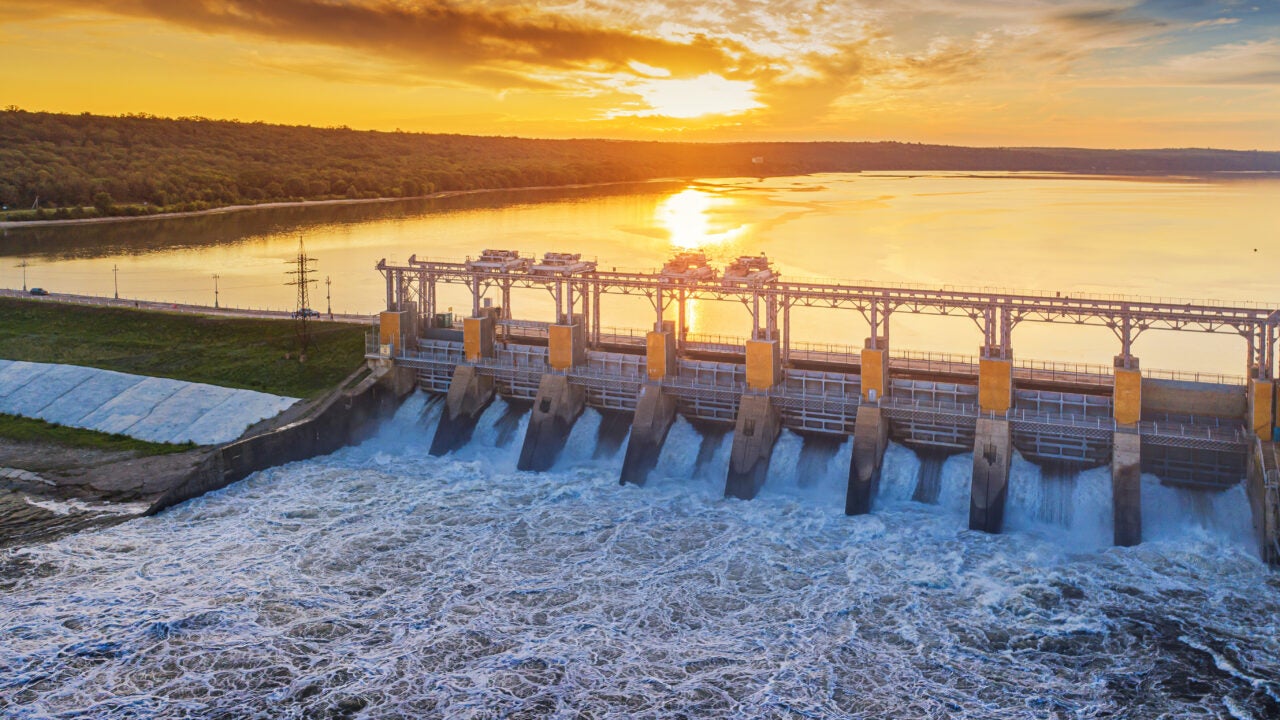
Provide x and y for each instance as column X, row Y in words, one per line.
column 60, row 165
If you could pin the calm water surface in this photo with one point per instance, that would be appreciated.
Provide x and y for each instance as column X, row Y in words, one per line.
column 1155, row 237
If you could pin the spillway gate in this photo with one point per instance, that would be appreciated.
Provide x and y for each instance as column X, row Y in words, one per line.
column 1206, row 431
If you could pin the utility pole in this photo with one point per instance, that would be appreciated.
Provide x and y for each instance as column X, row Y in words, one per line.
column 215, row 277
column 115, row 278
column 24, row 264
column 303, row 281
column 328, row 297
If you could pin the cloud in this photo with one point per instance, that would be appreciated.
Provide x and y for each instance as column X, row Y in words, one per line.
column 809, row 64
column 1247, row 63
column 430, row 33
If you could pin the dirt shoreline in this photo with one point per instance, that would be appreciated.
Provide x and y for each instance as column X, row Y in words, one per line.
column 12, row 224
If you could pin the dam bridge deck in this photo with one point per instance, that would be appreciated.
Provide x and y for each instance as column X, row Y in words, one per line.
column 1189, row 429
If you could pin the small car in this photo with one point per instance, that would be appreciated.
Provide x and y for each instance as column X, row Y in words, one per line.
column 39, row 291
column 306, row 313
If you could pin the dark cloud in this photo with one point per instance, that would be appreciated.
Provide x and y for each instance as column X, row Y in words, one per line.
column 1108, row 22
column 429, row 33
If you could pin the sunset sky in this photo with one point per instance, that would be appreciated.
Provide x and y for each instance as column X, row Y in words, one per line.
column 1091, row 73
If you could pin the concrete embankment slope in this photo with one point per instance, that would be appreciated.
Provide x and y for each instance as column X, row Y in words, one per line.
column 146, row 408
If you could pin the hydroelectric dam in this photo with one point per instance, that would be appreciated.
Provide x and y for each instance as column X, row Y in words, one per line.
column 1210, row 433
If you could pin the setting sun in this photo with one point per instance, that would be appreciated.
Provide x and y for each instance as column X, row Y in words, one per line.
column 707, row 94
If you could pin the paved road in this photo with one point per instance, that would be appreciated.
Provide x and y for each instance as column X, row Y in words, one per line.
column 178, row 307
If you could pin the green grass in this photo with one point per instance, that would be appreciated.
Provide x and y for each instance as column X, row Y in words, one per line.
column 232, row 352
column 13, row 427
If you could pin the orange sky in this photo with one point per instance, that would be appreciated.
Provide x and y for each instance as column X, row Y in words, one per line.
column 1092, row 73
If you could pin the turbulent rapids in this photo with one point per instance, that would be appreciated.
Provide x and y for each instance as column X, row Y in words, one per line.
column 380, row 581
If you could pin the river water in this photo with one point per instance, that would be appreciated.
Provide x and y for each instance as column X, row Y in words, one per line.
column 1164, row 237
column 381, row 582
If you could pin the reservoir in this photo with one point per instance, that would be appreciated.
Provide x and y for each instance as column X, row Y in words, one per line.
column 1153, row 237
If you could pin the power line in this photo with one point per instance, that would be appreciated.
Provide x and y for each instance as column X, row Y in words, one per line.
column 302, row 281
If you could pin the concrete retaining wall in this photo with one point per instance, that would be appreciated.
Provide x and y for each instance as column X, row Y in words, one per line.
column 344, row 418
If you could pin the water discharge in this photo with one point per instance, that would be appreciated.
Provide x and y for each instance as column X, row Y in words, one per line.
column 379, row 581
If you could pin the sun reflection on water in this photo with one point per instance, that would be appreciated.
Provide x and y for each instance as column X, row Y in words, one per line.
column 687, row 217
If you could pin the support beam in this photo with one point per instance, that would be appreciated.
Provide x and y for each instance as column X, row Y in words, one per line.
column 992, row 456
column 655, row 413
column 660, row 355
column 870, row 438
column 470, row 394
column 754, row 433
column 557, row 407
column 764, row 365
column 1126, row 487
column 566, row 346
column 1126, row 395
column 875, row 369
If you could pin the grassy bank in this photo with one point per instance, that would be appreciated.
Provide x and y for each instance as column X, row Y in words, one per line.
column 232, row 352
column 24, row 429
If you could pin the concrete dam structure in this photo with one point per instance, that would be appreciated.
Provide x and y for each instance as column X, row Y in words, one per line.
column 1206, row 432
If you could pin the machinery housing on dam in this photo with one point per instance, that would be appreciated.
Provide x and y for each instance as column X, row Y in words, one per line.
column 1209, row 432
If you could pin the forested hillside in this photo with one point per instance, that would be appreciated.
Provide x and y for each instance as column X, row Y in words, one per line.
column 88, row 165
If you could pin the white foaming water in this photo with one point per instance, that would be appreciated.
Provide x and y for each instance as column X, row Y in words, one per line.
column 493, row 441
column 898, row 473
column 1175, row 515
column 379, row 581
column 1074, row 507
column 581, row 445
column 679, row 456
column 811, row 471
column 81, row 507
column 784, row 463
column 957, row 475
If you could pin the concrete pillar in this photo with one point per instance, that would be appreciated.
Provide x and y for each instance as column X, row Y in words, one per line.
column 875, row 371
column 764, row 365
column 1126, row 487
column 566, row 346
column 1262, row 416
column 555, row 410
column 995, row 384
column 477, row 337
column 655, row 412
column 992, row 456
column 1264, row 499
column 754, row 433
column 870, row 438
column 1126, row 394
column 469, row 396
column 660, row 355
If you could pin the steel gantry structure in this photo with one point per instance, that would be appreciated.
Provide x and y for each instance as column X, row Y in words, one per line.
column 769, row 299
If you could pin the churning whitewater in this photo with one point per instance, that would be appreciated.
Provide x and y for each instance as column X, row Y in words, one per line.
column 381, row 582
